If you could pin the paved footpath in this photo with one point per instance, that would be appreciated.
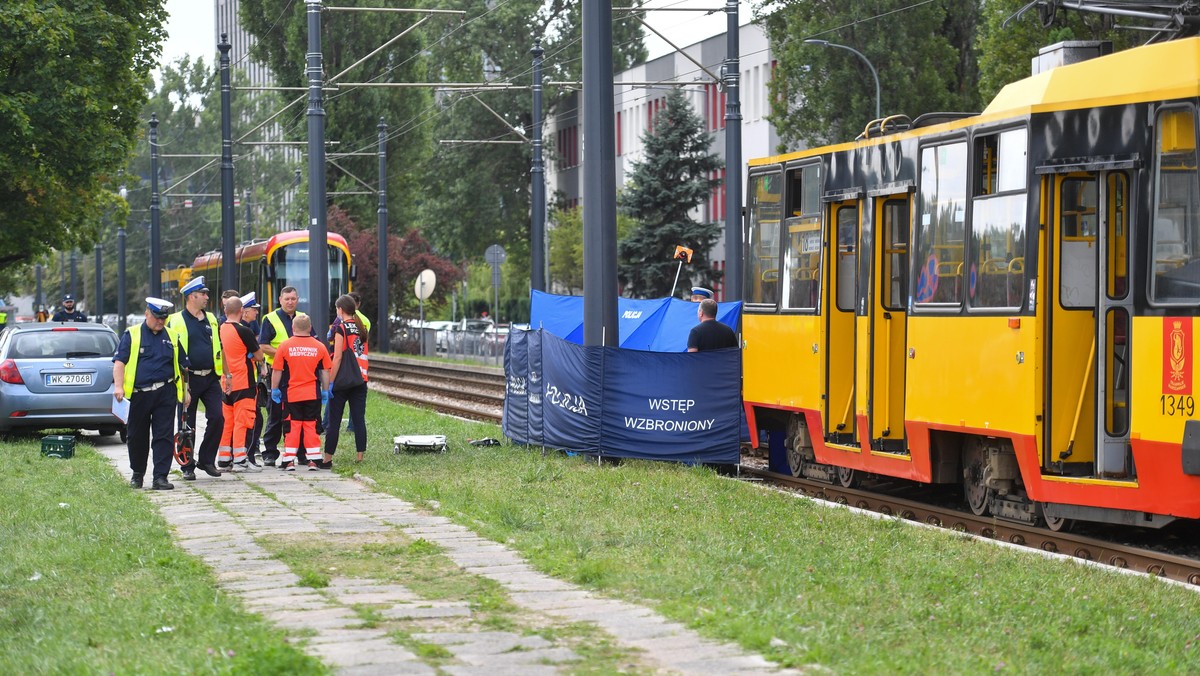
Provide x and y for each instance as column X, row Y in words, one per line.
column 252, row 507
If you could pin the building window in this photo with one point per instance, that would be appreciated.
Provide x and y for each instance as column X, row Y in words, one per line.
column 619, row 133
column 568, row 146
column 716, row 196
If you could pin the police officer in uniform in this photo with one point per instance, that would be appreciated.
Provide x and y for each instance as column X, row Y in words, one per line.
column 146, row 371
column 276, row 328
column 194, row 330
column 68, row 313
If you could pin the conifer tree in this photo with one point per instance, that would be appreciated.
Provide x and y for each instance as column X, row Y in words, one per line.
column 662, row 191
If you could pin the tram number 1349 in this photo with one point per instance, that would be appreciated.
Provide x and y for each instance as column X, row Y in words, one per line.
column 1173, row 405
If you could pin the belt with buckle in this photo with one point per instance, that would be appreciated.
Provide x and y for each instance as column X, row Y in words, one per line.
column 202, row 373
column 153, row 386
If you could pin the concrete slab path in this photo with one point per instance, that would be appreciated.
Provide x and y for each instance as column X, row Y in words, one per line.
column 223, row 520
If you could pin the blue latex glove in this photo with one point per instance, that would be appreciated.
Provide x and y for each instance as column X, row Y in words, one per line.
column 325, row 396
column 277, row 396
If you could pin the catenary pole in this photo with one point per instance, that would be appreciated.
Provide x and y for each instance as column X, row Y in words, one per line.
column 121, row 300
column 385, row 330
column 155, row 256
column 99, row 291
column 228, row 231
column 537, row 272
column 733, row 156
column 599, row 178
column 318, row 259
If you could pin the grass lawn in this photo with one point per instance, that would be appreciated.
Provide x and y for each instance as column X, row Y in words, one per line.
column 799, row 582
column 90, row 582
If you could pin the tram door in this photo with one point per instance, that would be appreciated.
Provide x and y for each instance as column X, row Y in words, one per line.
column 839, row 371
column 881, row 330
column 1088, row 374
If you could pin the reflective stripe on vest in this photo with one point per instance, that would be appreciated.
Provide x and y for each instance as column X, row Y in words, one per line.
column 281, row 334
column 135, row 345
column 177, row 327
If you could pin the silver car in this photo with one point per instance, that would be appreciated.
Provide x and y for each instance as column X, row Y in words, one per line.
column 57, row 374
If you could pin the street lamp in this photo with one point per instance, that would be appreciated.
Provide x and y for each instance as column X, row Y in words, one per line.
column 826, row 43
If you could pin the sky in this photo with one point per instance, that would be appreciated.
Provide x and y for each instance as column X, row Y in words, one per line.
column 190, row 26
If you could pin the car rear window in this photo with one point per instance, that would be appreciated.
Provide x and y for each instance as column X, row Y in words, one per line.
column 62, row 345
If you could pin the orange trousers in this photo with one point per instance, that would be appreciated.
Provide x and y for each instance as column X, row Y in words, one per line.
column 239, row 422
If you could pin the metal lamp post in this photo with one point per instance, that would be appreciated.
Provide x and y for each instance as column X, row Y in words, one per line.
column 874, row 73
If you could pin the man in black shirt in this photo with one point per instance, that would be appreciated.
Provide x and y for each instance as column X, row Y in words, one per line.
column 68, row 313
column 710, row 334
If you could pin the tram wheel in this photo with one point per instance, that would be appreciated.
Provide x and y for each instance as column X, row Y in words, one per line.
column 848, row 478
column 1057, row 524
column 978, row 495
column 795, row 461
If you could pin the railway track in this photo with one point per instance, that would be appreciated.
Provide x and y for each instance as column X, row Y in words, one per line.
column 473, row 392
column 477, row 393
column 1162, row 564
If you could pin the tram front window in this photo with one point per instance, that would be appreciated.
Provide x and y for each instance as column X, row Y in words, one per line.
column 291, row 269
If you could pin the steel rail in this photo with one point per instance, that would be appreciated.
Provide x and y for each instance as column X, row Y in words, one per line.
column 1169, row 566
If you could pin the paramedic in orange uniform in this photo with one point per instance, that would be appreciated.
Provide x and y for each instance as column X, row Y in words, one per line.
column 307, row 362
column 242, row 352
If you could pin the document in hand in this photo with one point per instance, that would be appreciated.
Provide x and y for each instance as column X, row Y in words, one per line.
column 121, row 409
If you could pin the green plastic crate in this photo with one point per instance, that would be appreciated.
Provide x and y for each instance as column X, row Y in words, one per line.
column 58, row 446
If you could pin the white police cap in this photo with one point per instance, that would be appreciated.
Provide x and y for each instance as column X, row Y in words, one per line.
column 701, row 291
column 194, row 285
column 249, row 301
column 158, row 307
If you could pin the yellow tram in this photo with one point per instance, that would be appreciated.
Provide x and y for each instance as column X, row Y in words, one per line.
column 1007, row 300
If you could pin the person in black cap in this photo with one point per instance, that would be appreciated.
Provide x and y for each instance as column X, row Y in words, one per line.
column 68, row 313
column 194, row 329
column 146, row 371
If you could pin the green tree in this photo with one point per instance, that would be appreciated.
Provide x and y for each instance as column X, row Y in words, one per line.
column 74, row 79
column 923, row 53
column 353, row 113
column 1005, row 52
column 187, row 104
column 663, row 189
column 408, row 255
column 566, row 247
column 478, row 195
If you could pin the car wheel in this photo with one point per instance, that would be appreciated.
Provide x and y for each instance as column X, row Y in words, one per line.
column 124, row 435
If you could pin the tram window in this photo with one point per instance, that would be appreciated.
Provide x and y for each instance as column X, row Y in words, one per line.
column 1014, row 146
column 847, row 234
column 895, row 260
column 802, row 259
column 996, row 260
column 761, row 268
column 1077, row 199
column 997, row 270
column 1176, row 229
column 941, row 226
column 1118, row 235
